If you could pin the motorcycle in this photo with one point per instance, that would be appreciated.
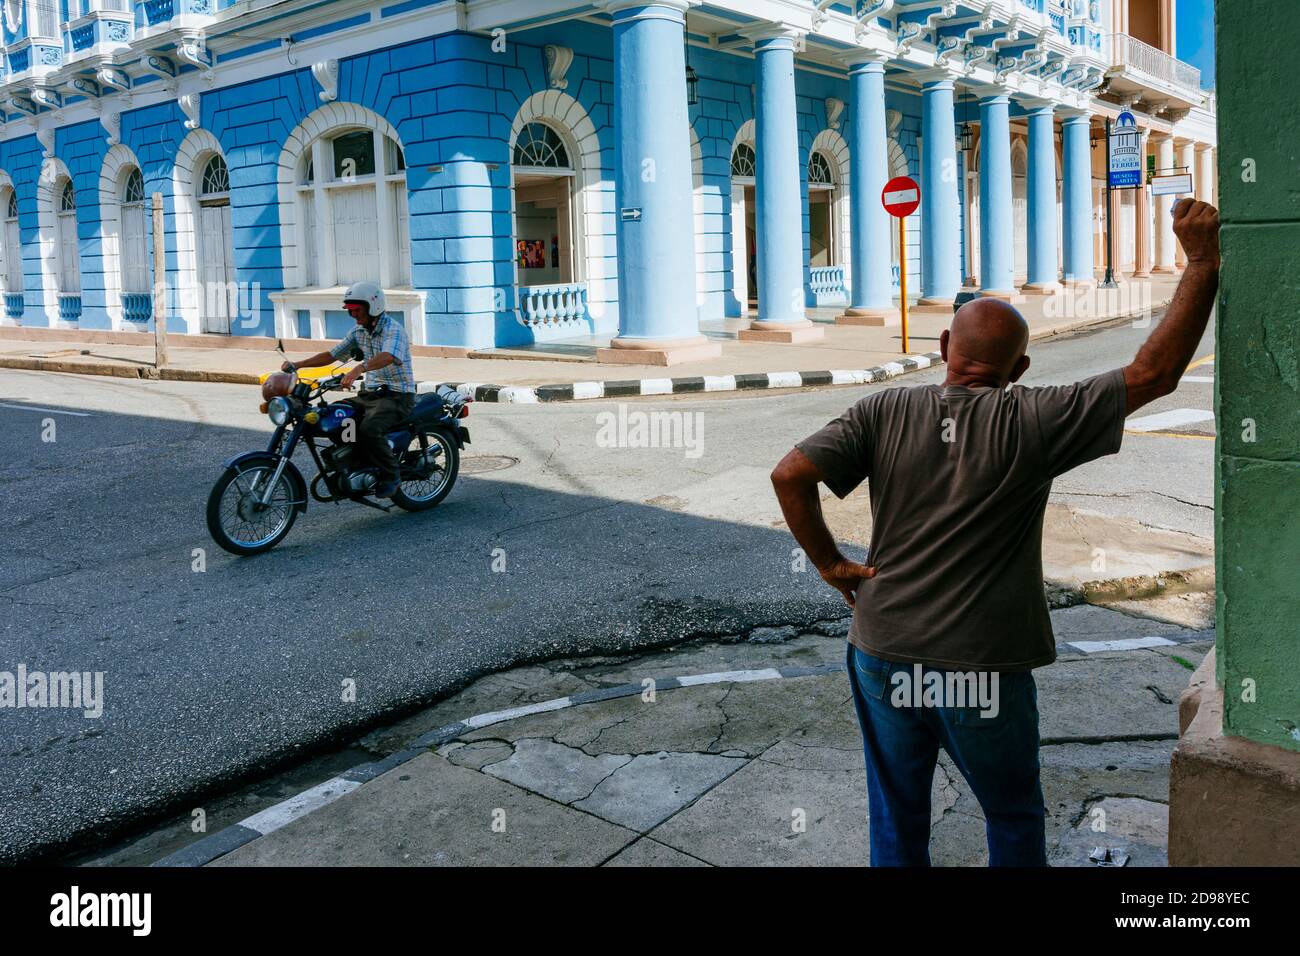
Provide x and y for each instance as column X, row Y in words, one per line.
column 258, row 497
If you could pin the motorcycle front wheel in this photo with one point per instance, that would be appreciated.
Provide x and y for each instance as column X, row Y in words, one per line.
column 239, row 522
column 430, row 480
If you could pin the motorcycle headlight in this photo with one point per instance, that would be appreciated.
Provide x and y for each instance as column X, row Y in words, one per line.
column 277, row 409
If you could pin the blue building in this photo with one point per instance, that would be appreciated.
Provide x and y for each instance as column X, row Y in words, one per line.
column 521, row 171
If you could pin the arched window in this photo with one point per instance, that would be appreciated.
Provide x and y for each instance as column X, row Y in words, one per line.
column 10, row 245
column 135, row 258
column 742, row 160
column 539, row 145
column 819, row 171
column 215, row 182
column 218, row 293
column 69, row 264
column 360, row 202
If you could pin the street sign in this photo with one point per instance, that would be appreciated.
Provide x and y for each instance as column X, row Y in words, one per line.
column 1178, row 184
column 901, row 196
column 1124, row 151
column 631, row 213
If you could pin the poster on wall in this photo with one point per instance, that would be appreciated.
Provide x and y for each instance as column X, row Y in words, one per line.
column 1125, row 147
column 532, row 253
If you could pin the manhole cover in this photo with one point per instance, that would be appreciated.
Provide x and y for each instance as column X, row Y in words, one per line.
column 478, row 464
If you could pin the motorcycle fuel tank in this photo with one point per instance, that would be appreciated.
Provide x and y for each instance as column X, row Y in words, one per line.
column 333, row 416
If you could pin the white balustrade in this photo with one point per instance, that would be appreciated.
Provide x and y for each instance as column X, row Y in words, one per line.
column 553, row 306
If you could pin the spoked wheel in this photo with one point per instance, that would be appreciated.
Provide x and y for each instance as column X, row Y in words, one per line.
column 239, row 522
column 428, row 474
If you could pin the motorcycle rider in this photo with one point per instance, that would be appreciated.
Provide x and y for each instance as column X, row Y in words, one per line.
column 381, row 343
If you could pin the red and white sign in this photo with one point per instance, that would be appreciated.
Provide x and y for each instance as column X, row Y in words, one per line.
column 901, row 196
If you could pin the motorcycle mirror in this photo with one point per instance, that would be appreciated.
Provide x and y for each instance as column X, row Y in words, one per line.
column 279, row 347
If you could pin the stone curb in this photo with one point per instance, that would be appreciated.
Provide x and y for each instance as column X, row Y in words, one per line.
column 636, row 387
column 112, row 370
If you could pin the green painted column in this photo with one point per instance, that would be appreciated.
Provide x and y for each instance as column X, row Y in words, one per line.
column 1257, row 380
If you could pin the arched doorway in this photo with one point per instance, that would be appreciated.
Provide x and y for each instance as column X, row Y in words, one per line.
column 828, row 219
column 1019, row 212
column 216, row 268
column 744, row 239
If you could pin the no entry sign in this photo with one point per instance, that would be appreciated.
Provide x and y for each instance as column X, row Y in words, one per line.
column 901, row 196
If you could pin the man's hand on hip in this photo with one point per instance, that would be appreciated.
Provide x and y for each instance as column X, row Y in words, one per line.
column 845, row 576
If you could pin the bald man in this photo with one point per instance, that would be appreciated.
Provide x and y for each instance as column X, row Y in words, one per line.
column 950, row 618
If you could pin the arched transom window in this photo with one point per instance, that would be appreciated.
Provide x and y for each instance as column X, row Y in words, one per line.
column 742, row 160
column 215, row 183
column 539, row 145
column 352, row 190
column 819, row 170
column 135, row 261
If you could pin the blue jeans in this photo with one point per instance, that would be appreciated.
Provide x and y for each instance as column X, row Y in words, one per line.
column 997, row 754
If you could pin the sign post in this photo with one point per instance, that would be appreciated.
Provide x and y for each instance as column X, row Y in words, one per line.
column 1123, row 171
column 900, row 198
column 159, row 285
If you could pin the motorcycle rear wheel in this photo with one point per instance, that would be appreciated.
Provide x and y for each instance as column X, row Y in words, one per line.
column 237, row 524
column 421, row 494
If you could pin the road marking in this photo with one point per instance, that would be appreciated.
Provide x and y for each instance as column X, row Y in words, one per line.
column 1205, row 360
column 1207, row 379
column 1124, row 644
column 52, row 411
column 766, row 673
column 274, row 817
column 1170, row 419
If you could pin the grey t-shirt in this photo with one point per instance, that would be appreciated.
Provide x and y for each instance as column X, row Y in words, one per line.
column 959, row 480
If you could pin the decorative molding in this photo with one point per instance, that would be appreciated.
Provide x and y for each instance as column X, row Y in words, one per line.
column 50, row 99
column 558, row 60
column 893, row 119
column 14, row 15
column 908, row 34
column 110, row 77
column 45, row 136
column 947, row 47
column 86, row 86
column 193, row 49
column 834, row 109
column 191, row 105
column 162, row 66
column 111, row 120
column 326, row 75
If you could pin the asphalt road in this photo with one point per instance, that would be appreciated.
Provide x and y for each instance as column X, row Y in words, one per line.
column 221, row 674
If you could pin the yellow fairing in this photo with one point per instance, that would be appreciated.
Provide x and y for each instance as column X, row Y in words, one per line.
column 309, row 375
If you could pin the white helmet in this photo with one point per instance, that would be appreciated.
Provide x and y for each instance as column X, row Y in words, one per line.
column 369, row 293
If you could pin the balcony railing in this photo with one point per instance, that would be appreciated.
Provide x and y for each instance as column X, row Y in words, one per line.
column 826, row 280
column 554, row 306
column 1131, row 52
column 13, row 305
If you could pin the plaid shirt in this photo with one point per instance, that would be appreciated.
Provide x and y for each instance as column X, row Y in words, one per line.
column 389, row 336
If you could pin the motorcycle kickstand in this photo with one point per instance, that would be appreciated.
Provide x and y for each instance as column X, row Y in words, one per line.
column 373, row 504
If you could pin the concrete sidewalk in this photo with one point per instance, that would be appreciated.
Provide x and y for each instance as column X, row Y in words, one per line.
column 559, row 366
column 743, row 751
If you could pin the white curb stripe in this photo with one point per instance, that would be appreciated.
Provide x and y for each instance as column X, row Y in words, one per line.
column 784, row 380
column 719, row 383
column 518, row 395
column 922, row 361
column 722, row 677
column 1169, row 419
column 656, row 386
column 272, row 818
column 893, row 368
column 844, row 376
column 588, row 389
column 1205, row 379
column 1124, row 644
column 497, row 716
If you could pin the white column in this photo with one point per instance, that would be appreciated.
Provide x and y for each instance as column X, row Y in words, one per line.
column 1165, row 241
column 1187, row 160
column 1205, row 179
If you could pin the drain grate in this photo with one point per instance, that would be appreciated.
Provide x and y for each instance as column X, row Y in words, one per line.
column 479, row 464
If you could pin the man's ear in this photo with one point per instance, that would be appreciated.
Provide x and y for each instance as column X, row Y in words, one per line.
column 943, row 344
column 1019, row 369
